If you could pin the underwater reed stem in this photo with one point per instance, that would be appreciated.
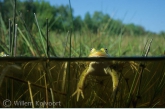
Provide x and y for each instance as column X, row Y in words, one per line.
column 52, row 95
column 31, row 95
column 46, row 89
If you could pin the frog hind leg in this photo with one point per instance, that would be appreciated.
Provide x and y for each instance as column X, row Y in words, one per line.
column 115, row 79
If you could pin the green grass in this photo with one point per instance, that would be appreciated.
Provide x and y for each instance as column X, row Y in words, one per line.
column 116, row 45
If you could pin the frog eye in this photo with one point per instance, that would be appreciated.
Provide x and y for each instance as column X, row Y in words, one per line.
column 104, row 50
column 93, row 49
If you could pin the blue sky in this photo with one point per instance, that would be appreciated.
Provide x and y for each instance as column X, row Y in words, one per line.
column 148, row 13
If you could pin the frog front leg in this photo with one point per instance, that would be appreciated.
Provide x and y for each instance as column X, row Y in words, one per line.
column 80, row 85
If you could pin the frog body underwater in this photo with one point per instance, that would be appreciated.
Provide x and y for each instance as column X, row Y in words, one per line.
column 98, row 69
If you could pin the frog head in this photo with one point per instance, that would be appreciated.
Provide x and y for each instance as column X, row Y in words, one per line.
column 99, row 53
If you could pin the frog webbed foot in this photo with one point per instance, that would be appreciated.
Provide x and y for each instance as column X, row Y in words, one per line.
column 78, row 92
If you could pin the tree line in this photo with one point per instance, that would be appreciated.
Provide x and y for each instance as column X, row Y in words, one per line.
column 61, row 18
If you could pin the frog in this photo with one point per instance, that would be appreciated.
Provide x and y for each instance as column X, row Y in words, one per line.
column 97, row 68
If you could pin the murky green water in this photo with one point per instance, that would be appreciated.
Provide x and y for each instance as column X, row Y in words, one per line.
column 28, row 82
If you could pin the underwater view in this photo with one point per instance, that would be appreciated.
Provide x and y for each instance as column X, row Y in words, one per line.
column 89, row 54
column 42, row 82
